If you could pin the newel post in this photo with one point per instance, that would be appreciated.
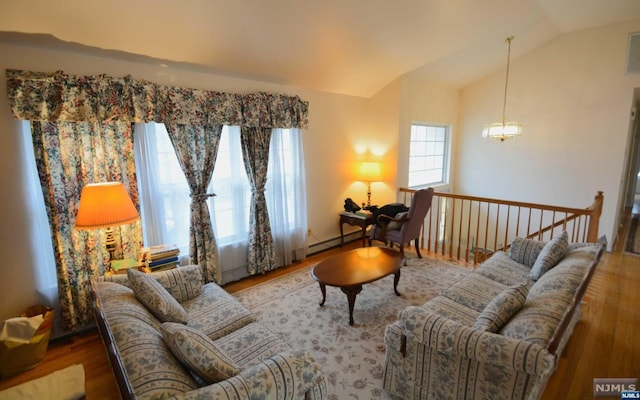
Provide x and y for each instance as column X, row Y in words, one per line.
column 595, row 210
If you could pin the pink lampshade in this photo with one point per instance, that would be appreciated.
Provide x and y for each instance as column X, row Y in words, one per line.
column 103, row 205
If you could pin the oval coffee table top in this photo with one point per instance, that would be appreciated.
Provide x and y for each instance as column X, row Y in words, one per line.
column 357, row 267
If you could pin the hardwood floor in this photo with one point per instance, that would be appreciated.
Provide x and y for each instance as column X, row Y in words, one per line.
column 603, row 344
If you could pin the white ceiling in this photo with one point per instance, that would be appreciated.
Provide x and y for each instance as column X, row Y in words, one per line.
column 353, row 47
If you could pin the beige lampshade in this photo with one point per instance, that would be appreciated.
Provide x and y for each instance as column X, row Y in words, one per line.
column 370, row 171
column 103, row 205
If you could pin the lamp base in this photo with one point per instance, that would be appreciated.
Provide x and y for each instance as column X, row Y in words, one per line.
column 369, row 194
column 110, row 245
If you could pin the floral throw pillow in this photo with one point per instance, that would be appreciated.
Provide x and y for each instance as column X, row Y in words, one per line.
column 198, row 353
column 553, row 251
column 499, row 310
column 155, row 297
column 525, row 251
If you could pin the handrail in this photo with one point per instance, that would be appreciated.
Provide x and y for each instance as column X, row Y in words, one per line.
column 470, row 228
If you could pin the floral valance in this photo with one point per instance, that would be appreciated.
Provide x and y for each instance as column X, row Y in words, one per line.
column 40, row 96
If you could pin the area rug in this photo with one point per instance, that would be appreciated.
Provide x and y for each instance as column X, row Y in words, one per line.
column 352, row 357
column 64, row 384
column 632, row 244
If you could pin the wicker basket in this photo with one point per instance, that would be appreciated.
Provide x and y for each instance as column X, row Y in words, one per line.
column 19, row 357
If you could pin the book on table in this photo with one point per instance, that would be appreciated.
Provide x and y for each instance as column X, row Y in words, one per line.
column 159, row 252
column 121, row 266
column 357, row 214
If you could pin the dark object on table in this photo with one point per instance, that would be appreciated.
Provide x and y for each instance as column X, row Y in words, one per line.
column 350, row 205
column 389, row 210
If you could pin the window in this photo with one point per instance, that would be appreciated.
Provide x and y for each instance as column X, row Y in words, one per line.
column 165, row 201
column 428, row 156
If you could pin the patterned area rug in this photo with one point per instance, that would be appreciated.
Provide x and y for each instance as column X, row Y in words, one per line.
column 632, row 244
column 352, row 357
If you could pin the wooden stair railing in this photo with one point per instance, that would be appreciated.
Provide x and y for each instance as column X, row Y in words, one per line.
column 470, row 228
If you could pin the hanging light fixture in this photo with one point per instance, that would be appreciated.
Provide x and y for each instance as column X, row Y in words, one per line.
column 503, row 129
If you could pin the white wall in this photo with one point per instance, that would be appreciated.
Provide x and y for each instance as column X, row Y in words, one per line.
column 574, row 99
column 426, row 102
column 336, row 125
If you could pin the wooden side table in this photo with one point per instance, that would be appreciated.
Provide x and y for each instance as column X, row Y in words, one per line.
column 363, row 221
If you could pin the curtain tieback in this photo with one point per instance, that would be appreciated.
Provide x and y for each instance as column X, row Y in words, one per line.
column 201, row 196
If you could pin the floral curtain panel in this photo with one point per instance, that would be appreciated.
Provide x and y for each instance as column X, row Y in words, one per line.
column 197, row 148
column 39, row 96
column 68, row 156
column 255, row 153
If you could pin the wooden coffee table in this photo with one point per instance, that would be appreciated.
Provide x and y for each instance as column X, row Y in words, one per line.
column 352, row 269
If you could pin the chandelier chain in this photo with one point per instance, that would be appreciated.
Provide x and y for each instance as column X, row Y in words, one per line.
column 506, row 81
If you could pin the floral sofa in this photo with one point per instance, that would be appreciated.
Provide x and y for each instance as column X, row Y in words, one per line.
column 168, row 335
column 497, row 333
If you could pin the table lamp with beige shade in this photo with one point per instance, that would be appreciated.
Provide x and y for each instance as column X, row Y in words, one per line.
column 370, row 172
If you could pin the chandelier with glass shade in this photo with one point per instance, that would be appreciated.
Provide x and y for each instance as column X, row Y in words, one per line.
column 503, row 129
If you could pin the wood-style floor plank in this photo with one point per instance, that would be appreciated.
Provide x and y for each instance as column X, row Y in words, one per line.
column 604, row 343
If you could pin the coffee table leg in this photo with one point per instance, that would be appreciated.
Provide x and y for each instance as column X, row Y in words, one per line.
column 351, row 292
column 323, row 289
column 396, row 279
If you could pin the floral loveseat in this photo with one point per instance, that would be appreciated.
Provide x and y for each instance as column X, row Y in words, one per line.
column 497, row 333
column 170, row 336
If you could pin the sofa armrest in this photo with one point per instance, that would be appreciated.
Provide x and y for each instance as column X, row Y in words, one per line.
column 287, row 375
column 451, row 337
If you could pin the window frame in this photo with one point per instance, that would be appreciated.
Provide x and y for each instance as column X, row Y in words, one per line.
column 446, row 155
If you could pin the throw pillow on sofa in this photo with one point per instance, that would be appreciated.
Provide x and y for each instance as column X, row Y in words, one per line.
column 553, row 251
column 155, row 297
column 525, row 251
column 499, row 310
column 394, row 225
column 198, row 353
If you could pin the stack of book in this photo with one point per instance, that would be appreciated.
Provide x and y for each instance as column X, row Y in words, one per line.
column 121, row 266
column 161, row 257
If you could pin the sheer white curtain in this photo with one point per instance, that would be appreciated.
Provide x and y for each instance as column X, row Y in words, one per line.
column 46, row 281
column 165, row 202
column 286, row 196
column 163, row 190
column 231, row 203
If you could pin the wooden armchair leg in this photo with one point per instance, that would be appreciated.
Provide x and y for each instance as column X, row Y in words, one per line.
column 418, row 248
column 402, row 255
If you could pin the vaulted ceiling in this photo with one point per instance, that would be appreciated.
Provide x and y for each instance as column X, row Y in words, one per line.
column 353, row 47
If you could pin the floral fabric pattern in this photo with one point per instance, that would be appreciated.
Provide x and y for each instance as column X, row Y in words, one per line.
column 182, row 283
column 156, row 298
column 57, row 96
column 68, row 156
column 199, row 353
column 196, row 148
column 255, row 153
column 501, row 308
column 153, row 371
column 549, row 256
column 251, row 344
column 525, row 251
column 229, row 315
column 501, row 268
